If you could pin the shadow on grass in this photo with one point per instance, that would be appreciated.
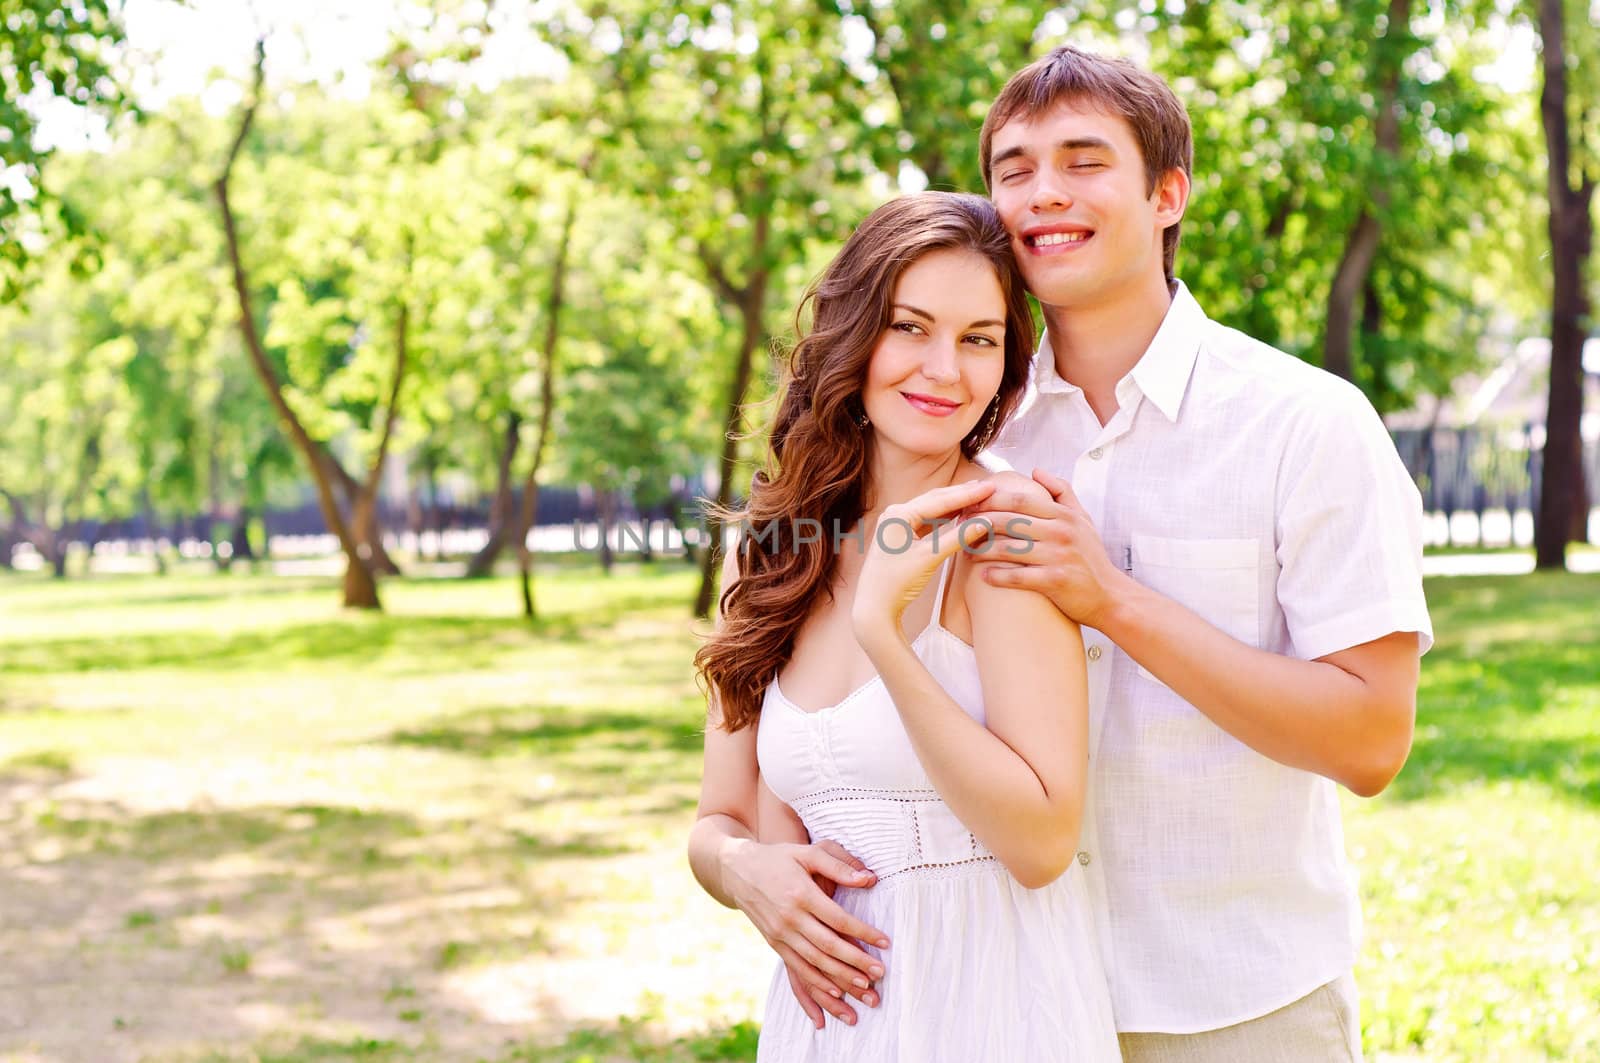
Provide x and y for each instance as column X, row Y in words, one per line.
column 181, row 899
column 631, row 1039
column 416, row 643
column 628, row 1041
column 599, row 753
column 524, row 731
column 133, row 591
column 308, row 842
column 1511, row 691
column 462, row 640
column 318, row 1050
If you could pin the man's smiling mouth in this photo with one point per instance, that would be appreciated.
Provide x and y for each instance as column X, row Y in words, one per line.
column 1052, row 239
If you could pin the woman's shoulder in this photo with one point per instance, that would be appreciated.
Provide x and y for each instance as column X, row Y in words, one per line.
column 1002, row 478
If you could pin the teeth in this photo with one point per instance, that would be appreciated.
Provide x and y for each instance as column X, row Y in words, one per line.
column 1051, row 239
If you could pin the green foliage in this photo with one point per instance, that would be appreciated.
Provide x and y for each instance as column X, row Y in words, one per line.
column 1284, row 97
column 713, row 156
column 48, row 52
column 67, row 413
column 929, row 70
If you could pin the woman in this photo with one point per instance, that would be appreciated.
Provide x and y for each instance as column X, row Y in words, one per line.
column 880, row 715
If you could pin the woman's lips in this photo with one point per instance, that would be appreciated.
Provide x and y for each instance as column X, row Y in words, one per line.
column 931, row 406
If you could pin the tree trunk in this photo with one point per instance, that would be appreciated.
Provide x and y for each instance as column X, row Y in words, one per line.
column 370, row 528
column 1361, row 245
column 432, row 515
column 18, row 529
column 239, row 537
column 605, row 511
column 1561, row 490
column 148, row 511
column 502, row 509
column 360, row 587
column 365, row 520
column 727, row 463
column 547, row 408
column 647, row 522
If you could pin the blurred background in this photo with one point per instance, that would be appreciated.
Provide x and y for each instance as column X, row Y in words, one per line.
column 363, row 365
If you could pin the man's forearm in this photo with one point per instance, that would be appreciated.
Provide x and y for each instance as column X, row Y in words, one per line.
column 711, row 839
column 1313, row 715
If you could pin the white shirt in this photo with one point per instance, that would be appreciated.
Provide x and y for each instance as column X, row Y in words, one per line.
column 1265, row 495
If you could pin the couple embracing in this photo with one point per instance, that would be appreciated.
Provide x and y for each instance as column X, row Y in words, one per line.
column 1032, row 753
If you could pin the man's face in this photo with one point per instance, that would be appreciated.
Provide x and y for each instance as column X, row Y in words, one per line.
column 1069, row 184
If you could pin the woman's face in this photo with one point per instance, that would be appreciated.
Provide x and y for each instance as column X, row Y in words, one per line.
column 938, row 365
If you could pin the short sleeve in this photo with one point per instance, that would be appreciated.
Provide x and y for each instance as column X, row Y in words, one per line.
column 1348, row 528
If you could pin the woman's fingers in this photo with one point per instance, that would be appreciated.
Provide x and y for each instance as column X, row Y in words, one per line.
column 839, row 960
column 805, row 981
column 942, row 501
column 802, row 996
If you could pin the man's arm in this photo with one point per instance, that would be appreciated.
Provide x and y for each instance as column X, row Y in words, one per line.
column 1347, row 715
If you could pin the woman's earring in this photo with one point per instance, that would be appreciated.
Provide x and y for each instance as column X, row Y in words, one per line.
column 988, row 424
column 861, row 419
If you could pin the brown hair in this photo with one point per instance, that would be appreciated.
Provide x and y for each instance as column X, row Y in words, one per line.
column 817, row 455
column 1160, row 123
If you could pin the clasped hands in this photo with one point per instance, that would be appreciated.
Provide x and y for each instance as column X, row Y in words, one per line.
column 1031, row 534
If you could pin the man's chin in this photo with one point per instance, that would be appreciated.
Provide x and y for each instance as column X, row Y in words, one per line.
column 1054, row 289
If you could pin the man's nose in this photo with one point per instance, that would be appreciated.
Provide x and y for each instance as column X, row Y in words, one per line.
column 1049, row 193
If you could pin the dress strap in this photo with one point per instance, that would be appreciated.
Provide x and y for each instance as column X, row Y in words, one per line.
column 945, row 569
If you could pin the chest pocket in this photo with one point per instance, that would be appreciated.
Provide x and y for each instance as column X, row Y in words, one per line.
column 1217, row 578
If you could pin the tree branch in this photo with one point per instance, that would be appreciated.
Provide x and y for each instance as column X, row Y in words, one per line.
column 718, row 275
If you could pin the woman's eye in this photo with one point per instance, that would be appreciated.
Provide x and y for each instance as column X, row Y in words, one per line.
column 907, row 326
column 982, row 341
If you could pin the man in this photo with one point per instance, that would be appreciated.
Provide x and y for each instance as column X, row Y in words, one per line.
column 1242, row 545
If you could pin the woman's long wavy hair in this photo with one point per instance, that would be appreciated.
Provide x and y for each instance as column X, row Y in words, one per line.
column 817, row 462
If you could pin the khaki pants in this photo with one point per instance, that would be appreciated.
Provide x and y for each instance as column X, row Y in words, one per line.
column 1322, row 1027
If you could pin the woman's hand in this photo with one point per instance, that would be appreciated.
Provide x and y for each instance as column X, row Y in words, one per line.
column 910, row 541
column 786, row 890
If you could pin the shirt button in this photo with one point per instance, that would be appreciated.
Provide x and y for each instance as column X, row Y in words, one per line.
column 1097, row 453
column 1083, row 858
column 1094, row 653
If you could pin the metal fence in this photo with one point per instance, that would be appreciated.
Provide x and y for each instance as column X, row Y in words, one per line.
column 1491, row 474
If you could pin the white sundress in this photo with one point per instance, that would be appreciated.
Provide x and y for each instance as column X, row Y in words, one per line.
column 979, row 968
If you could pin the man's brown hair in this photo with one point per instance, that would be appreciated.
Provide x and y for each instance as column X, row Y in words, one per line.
column 1117, row 86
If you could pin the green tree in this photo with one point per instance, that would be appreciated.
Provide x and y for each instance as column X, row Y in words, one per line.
column 732, row 121
column 1340, row 148
column 48, row 50
column 66, row 410
column 930, row 70
column 354, row 266
column 203, row 437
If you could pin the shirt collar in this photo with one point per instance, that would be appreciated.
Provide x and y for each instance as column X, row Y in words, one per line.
column 1161, row 374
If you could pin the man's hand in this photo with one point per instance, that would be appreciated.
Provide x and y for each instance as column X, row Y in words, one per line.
column 1049, row 545
column 786, row 890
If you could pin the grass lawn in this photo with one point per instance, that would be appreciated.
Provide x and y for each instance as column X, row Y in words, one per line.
column 242, row 825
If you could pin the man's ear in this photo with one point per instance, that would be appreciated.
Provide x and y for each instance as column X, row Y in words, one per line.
column 1172, row 197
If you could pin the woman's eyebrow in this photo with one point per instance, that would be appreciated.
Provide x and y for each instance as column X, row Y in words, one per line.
column 985, row 323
